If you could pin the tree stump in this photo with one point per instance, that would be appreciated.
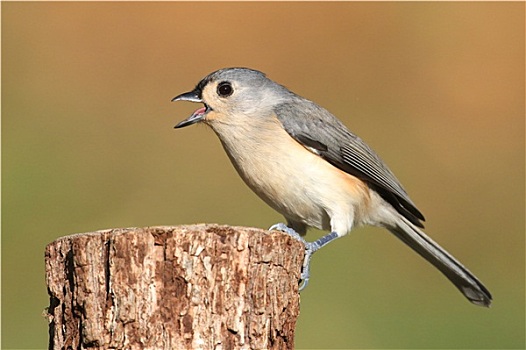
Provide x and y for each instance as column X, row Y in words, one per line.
column 183, row 287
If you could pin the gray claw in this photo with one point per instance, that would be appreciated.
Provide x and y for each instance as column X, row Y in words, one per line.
column 284, row 228
column 303, row 284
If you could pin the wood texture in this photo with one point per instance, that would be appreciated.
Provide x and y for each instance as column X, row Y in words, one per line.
column 184, row 287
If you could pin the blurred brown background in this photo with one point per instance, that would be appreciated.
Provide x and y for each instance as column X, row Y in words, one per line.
column 437, row 89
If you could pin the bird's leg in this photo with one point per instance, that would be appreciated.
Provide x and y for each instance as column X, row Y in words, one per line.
column 310, row 248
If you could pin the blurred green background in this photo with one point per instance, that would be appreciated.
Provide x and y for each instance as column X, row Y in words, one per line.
column 437, row 89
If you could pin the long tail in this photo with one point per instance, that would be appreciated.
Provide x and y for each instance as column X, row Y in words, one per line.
column 461, row 277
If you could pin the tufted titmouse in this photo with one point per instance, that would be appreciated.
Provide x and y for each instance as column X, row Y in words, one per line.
column 304, row 163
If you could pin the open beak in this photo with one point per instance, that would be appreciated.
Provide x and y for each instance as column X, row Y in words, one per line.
column 197, row 116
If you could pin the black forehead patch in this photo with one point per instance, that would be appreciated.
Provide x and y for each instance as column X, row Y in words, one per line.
column 201, row 85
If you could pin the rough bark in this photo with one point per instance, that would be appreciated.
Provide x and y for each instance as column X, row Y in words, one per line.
column 184, row 287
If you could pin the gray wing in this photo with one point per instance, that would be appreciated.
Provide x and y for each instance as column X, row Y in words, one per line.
column 322, row 133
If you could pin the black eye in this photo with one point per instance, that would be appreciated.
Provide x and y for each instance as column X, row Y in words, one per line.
column 224, row 89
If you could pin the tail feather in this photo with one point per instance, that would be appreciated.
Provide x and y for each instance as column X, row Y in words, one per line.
column 461, row 277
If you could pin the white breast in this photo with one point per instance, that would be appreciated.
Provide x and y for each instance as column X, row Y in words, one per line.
column 293, row 180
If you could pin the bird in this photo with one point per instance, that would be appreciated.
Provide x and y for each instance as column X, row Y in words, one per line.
column 308, row 166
